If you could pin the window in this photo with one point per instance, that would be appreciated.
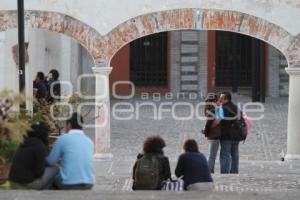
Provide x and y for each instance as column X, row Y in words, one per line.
column 148, row 61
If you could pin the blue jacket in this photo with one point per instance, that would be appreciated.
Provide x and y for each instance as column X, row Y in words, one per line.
column 194, row 168
column 75, row 152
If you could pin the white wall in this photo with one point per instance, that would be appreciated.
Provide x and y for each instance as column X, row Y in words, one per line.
column 47, row 50
column 11, row 78
column 101, row 14
column 2, row 60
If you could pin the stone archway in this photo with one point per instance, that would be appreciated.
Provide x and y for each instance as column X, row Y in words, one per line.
column 206, row 19
column 59, row 23
column 102, row 49
column 202, row 19
column 88, row 37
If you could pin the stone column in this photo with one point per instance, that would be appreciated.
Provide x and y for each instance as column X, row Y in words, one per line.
column 102, row 113
column 2, row 61
column 293, row 147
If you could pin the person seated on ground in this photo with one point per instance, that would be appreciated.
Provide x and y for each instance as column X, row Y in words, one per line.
column 28, row 168
column 152, row 168
column 193, row 167
column 74, row 153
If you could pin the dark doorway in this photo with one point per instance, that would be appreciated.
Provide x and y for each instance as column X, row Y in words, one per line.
column 148, row 61
column 240, row 64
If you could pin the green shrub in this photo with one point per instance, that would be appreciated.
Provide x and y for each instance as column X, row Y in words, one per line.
column 7, row 151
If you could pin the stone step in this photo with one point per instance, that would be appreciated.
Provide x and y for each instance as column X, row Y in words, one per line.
column 196, row 43
column 189, row 54
column 185, row 59
column 145, row 195
column 227, row 182
column 189, row 87
column 187, row 73
column 189, row 78
column 189, row 48
column 188, row 68
column 189, row 64
column 189, row 35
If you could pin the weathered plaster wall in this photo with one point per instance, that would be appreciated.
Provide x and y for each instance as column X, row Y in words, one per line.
column 2, row 61
column 100, row 14
column 96, row 26
column 47, row 50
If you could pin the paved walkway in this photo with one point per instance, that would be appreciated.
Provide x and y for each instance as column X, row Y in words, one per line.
column 265, row 143
column 261, row 171
column 112, row 195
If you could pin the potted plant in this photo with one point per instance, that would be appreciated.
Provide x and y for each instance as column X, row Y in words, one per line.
column 13, row 127
column 7, row 151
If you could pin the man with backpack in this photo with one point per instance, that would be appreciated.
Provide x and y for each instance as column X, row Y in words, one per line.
column 233, row 130
column 152, row 168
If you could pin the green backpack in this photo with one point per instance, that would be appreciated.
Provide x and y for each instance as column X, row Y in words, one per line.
column 147, row 173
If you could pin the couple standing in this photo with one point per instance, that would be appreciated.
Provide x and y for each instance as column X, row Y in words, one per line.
column 221, row 112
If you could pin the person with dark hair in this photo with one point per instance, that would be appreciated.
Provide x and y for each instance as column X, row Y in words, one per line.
column 74, row 152
column 39, row 87
column 53, row 86
column 193, row 167
column 152, row 168
column 212, row 129
column 229, row 156
column 28, row 168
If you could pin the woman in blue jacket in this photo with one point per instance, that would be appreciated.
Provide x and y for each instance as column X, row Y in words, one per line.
column 193, row 167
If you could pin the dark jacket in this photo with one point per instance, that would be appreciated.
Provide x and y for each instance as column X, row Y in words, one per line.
column 41, row 90
column 209, row 128
column 55, row 84
column 164, row 169
column 29, row 161
column 230, row 111
column 194, row 168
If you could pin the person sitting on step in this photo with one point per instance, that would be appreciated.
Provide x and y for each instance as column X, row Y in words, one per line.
column 152, row 168
column 73, row 151
column 193, row 166
column 28, row 168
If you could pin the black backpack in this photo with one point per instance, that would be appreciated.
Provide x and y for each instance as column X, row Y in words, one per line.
column 238, row 128
column 147, row 173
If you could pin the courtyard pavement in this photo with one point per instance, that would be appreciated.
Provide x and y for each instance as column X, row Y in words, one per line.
column 261, row 167
column 262, row 173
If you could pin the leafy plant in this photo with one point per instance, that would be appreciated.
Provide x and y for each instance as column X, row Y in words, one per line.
column 14, row 125
column 7, row 151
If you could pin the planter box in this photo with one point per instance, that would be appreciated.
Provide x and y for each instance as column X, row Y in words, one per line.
column 4, row 172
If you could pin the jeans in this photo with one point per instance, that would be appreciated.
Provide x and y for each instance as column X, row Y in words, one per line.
column 229, row 157
column 213, row 151
column 46, row 181
column 58, row 183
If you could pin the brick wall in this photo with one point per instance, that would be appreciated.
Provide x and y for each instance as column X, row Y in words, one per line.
column 273, row 72
column 283, row 77
column 278, row 79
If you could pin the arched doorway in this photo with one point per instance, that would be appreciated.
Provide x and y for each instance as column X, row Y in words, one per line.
column 202, row 19
column 57, row 22
column 171, row 68
column 89, row 39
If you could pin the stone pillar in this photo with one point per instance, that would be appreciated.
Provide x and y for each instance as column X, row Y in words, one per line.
column 102, row 113
column 293, row 147
column 2, row 61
